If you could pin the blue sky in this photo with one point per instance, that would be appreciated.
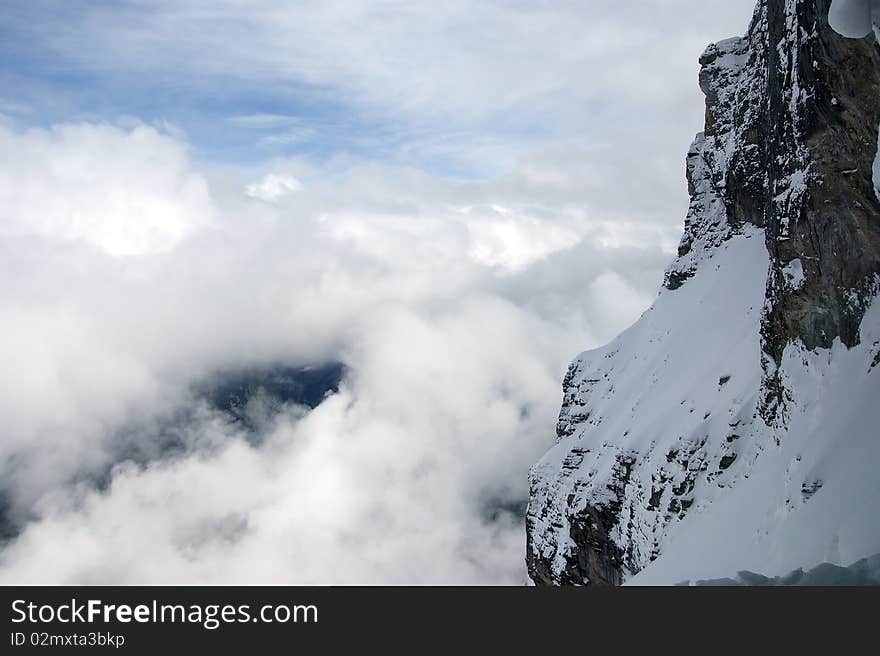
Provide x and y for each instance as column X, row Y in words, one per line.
column 456, row 88
column 46, row 85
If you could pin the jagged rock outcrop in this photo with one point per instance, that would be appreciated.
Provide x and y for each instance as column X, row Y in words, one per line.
column 755, row 369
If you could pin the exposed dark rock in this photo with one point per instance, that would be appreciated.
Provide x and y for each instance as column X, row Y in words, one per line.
column 675, row 279
column 829, row 222
column 597, row 559
column 809, row 488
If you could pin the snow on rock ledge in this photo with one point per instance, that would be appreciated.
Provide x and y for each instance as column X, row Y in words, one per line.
column 734, row 425
column 652, row 422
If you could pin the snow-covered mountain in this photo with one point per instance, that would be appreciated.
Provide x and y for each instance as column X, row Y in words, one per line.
column 736, row 425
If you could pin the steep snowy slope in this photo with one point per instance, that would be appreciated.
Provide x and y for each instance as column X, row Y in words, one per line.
column 735, row 425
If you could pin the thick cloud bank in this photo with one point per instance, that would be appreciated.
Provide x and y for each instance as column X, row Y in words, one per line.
column 78, row 182
column 131, row 274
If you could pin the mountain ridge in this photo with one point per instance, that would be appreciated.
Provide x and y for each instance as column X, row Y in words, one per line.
column 714, row 402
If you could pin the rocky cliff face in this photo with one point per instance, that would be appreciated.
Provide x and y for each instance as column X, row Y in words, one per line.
column 738, row 412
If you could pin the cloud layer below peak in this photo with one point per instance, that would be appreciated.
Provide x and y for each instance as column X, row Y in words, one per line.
column 456, row 307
